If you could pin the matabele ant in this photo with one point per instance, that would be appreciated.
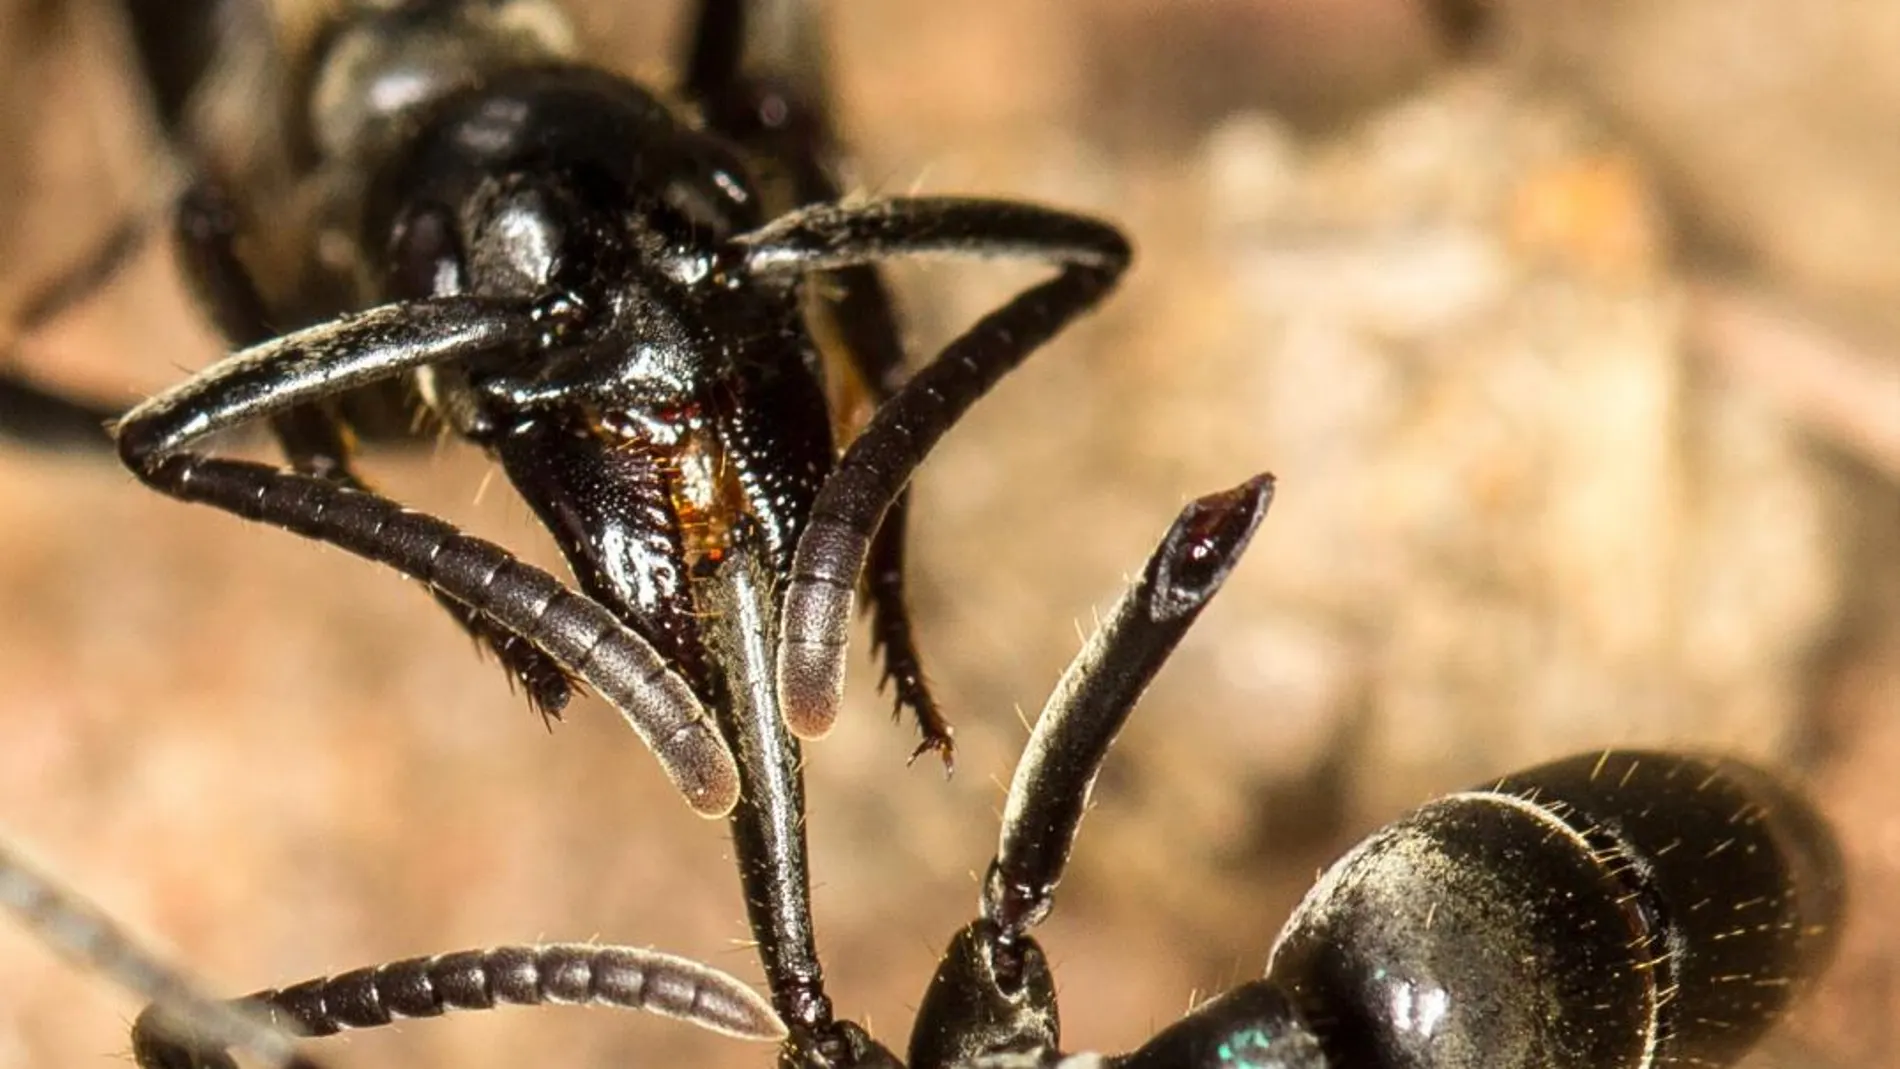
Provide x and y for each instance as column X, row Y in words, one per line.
column 618, row 299
column 1618, row 910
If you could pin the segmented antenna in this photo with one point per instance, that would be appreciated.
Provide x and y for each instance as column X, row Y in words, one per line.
column 185, row 1027
column 82, row 933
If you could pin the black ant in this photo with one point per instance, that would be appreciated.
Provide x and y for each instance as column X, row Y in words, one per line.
column 1617, row 910
column 599, row 289
column 593, row 287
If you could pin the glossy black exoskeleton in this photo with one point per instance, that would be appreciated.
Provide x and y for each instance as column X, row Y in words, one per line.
column 593, row 285
column 1639, row 908
column 1620, row 910
column 590, row 284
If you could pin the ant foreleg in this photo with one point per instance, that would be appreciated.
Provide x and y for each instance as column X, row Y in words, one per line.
column 576, row 632
column 314, row 439
column 830, row 557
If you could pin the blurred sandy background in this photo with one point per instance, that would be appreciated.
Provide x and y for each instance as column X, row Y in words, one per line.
column 1570, row 332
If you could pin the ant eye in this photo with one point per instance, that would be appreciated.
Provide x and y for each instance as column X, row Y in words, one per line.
column 425, row 256
column 713, row 196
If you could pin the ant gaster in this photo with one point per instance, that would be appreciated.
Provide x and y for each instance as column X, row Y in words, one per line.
column 1618, row 910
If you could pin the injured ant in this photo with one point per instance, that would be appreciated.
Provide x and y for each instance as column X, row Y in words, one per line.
column 1609, row 911
column 592, row 286
column 619, row 299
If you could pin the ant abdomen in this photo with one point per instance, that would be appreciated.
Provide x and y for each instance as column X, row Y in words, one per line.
column 1622, row 910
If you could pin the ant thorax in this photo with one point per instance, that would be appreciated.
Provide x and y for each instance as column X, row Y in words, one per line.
column 390, row 60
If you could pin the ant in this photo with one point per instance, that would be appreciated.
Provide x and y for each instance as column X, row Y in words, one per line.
column 1614, row 910
column 592, row 286
column 620, row 300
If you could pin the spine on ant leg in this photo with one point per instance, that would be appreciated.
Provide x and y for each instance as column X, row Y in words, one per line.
column 1618, row 910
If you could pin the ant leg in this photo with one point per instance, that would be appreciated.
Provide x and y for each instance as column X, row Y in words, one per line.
column 86, row 937
column 757, row 72
column 781, row 115
column 893, row 638
column 179, row 44
column 78, row 283
column 314, row 440
column 994, row 982
column 830, row 557
column 35, row 415
column 576, row 632
column 756, row 69
column 715, row 48
column 574, row 974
